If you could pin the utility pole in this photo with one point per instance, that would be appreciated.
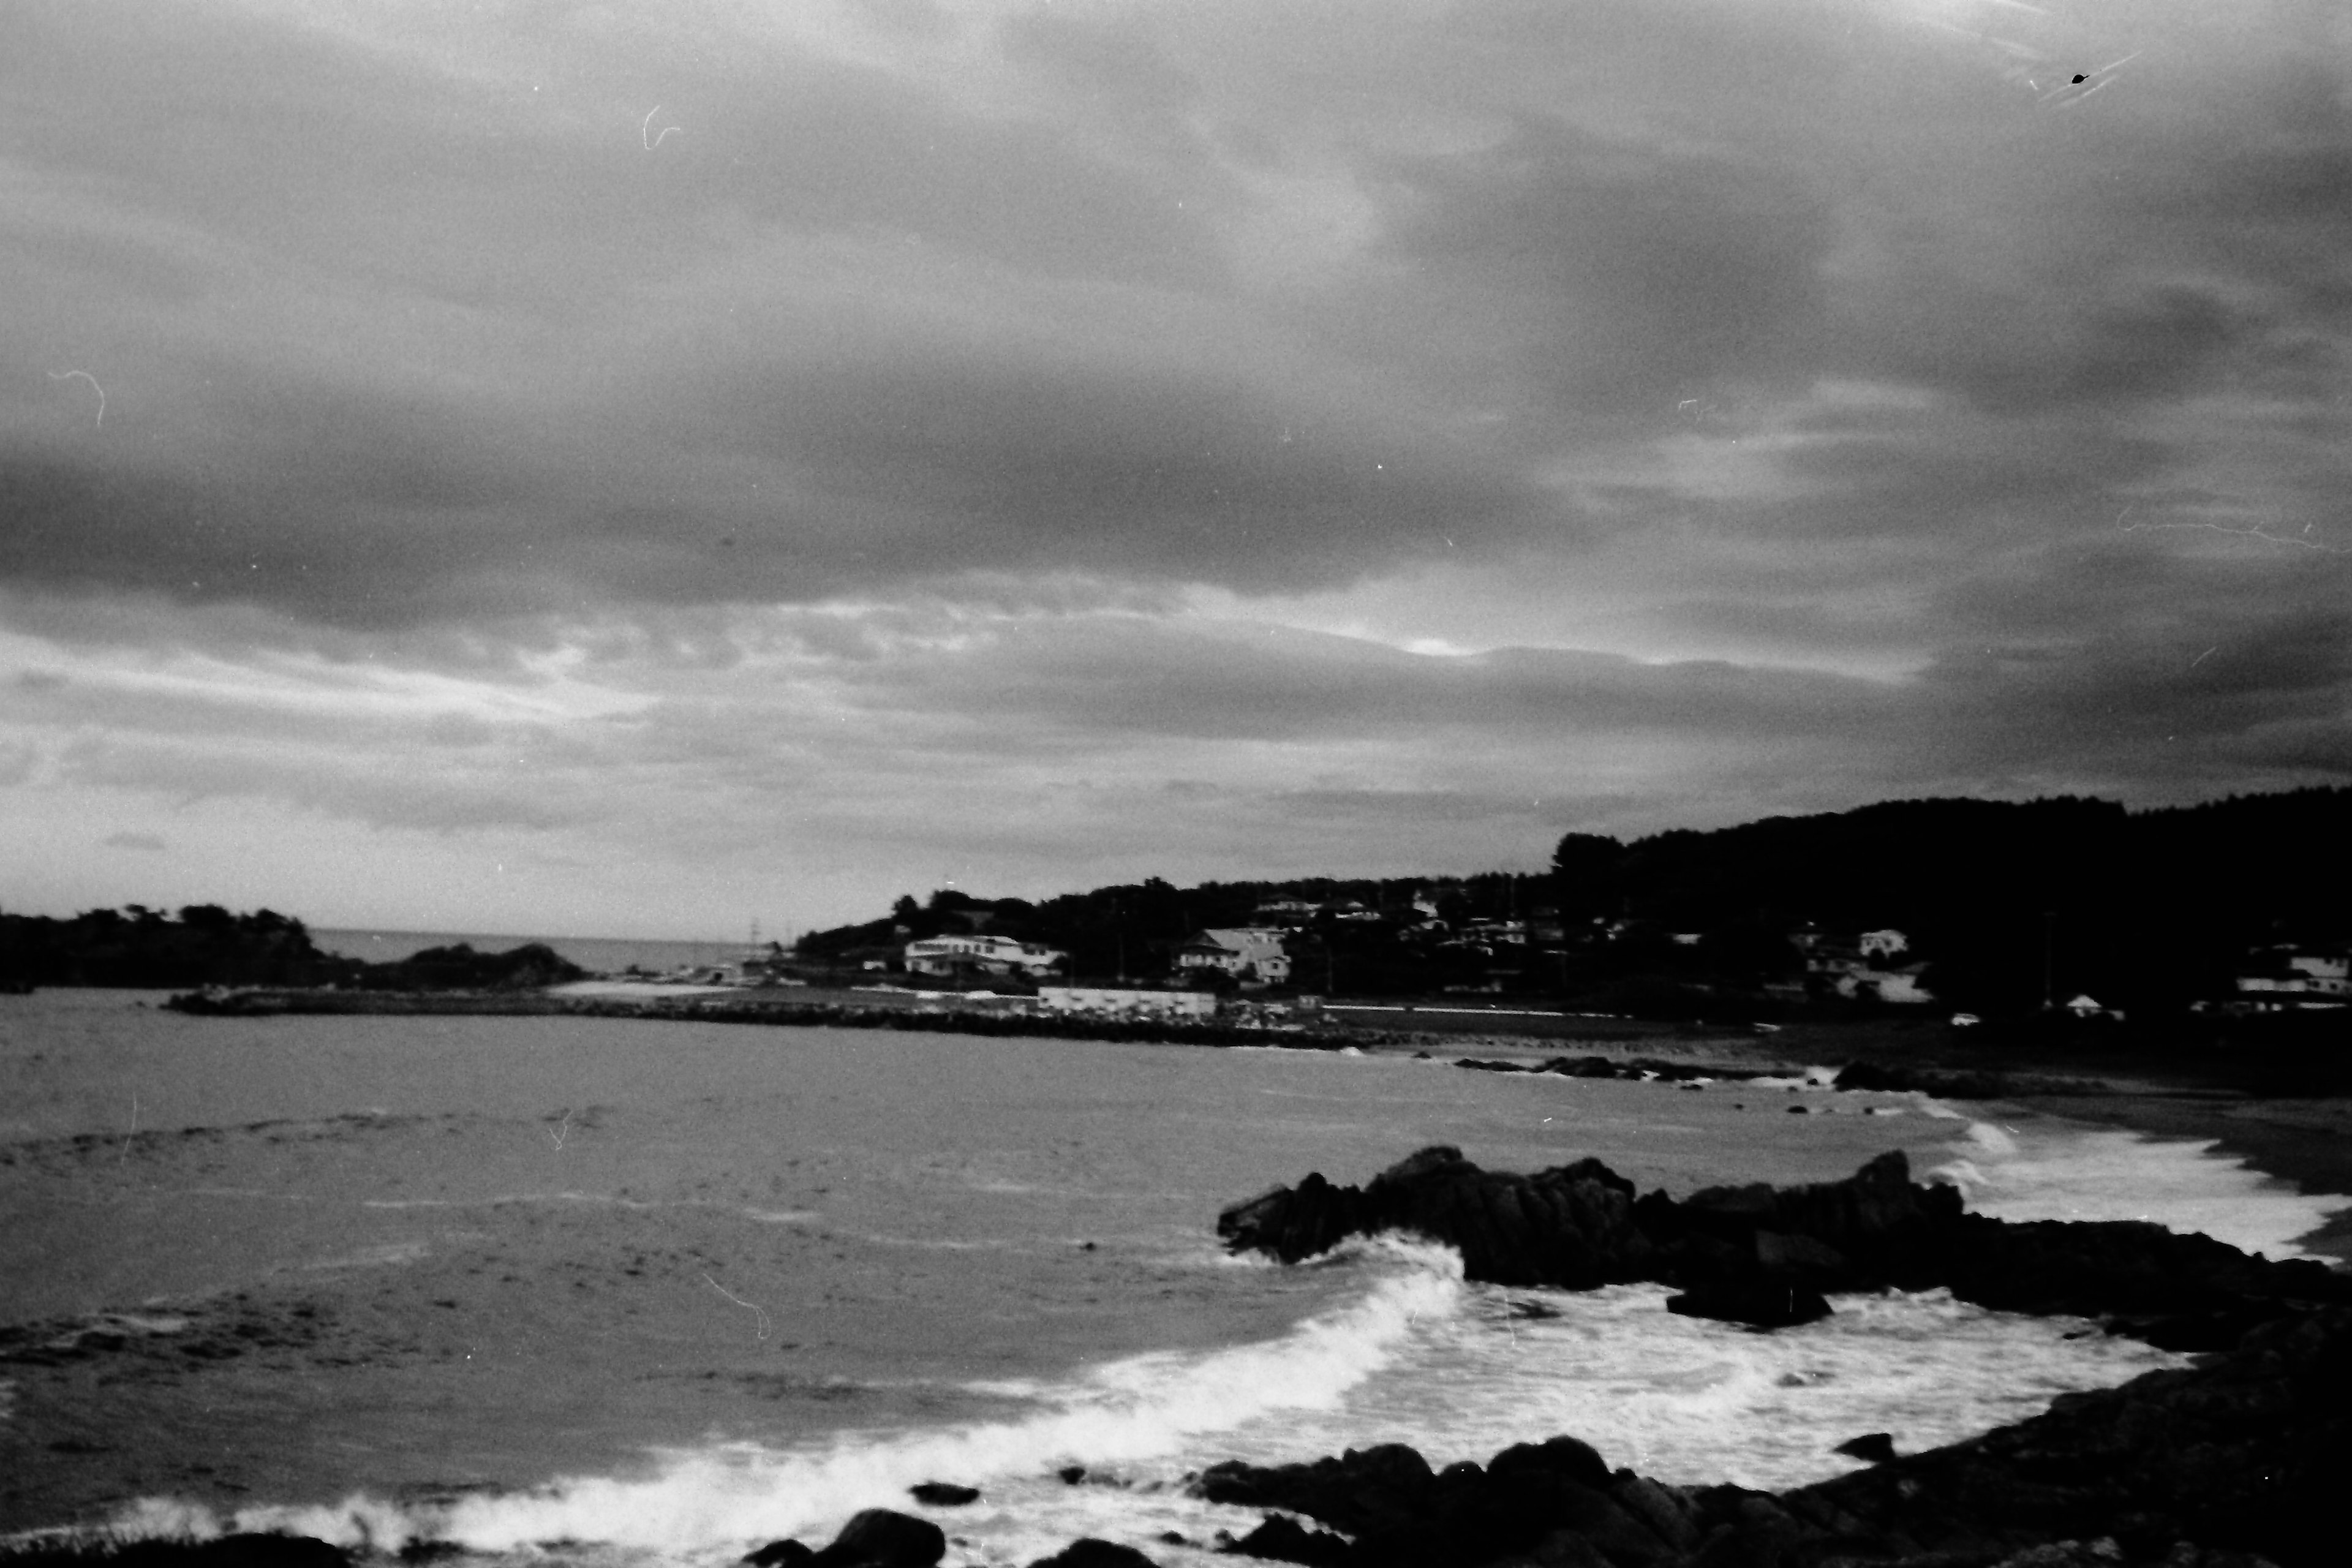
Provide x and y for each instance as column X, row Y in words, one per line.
column 2049, row 941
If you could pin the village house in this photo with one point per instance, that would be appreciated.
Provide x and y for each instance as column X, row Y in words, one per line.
column 2297, row 977
column 980, row 954
column 1863, row 969
column 1245, row 953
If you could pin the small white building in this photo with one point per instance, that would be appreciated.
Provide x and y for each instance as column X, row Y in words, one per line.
column 2302, row 973
column 1245, row 953
column 983, row 952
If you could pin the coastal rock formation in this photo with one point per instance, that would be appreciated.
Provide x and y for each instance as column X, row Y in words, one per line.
column 1761, row 1254
column 2232, row 1462
column 877, row 1538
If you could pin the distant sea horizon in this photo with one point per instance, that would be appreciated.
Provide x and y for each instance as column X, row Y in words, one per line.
column 602, row 955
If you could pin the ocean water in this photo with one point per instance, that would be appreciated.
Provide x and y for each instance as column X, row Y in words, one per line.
column 661, row 1292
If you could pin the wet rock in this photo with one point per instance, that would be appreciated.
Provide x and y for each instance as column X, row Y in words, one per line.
column 789, row 1552
column 1582, row 1226
column 1282, row 1539
column 1759, row 1304
column 1088, row 1553
column 882, row 1538
column 943, row 1494
column 1871, row 1447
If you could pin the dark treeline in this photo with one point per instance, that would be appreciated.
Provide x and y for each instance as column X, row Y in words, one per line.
column 140, row 948
column 2008, row 905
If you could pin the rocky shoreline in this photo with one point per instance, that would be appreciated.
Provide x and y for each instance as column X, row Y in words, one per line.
column 2232, row 1462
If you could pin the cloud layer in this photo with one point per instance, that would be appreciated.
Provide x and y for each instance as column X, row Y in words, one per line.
column 799, row 453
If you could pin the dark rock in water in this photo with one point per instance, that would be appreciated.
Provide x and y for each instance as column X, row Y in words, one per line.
column 943, row 1494
column 1088, row 1553
column 881, row 1538
column 1582, row 1226
column 788, row 1552
column 1871, row 1447
column 1760, row 1304
column 1072, row 1474
column 1403, row 1516
column 1570, row 1458
column 1943, row 1084
column 2232, row 1462
column 1800, row 1110
column 1282, row 1539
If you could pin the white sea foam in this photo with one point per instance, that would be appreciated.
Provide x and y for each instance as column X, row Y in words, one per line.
column 1150, row 1410
column 1689, row 1400
column 2037, row 1171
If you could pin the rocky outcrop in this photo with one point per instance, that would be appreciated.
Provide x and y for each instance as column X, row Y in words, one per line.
column 877, row 1538
column 1088, row 1553
column 1763, row 1255
column 2234, row 1461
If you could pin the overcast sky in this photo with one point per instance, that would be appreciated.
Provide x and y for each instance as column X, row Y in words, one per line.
column 638, row 468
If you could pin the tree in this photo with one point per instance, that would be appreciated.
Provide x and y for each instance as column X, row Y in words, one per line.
column 1588, row 869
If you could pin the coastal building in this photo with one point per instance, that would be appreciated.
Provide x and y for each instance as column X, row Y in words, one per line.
column 1899, row 987
column 1245, row 953
column 980, row 953
column 2297, row 977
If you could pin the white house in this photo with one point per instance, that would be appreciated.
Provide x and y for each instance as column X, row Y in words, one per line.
column 989, row 954
column 2300, row 975
column 1884, row 943
column 1245, row 953
column 1900, row 986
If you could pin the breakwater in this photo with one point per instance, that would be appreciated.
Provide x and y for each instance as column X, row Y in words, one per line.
column 878, row 1012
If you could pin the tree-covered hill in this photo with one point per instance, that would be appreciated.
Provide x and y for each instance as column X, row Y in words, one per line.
column 2008, row 903
column 139, row 948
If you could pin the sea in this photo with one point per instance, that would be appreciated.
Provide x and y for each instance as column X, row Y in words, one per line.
column 605, row 1291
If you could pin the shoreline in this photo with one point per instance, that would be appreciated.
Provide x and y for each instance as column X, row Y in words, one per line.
column 2303, row 1139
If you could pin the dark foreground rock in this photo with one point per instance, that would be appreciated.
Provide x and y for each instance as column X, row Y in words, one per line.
column 877, row 1538
column 1762, row 1255
column 2236, row 1460
column 1088, row 1553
